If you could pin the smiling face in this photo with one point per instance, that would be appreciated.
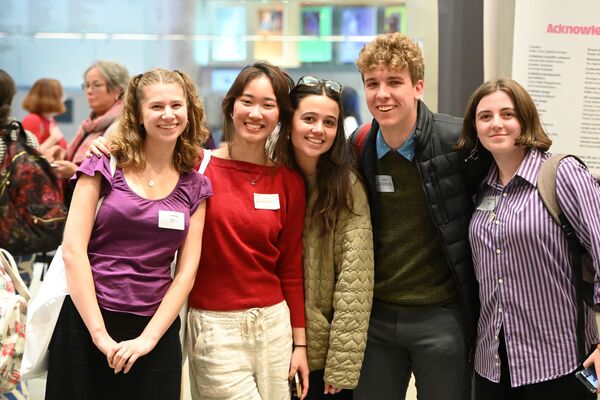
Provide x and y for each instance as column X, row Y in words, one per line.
column 497, row 124
column 164, row 112
column 99, row 97
column 392, row 98
column 255, row 111
column 314, row 127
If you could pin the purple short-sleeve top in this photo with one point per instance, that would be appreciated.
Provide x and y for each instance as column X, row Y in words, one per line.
column 134, row 240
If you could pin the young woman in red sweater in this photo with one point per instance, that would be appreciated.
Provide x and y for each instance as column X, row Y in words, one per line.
column 246, row 319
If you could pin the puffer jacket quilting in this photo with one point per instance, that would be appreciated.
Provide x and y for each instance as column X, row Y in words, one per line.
column 338, row 276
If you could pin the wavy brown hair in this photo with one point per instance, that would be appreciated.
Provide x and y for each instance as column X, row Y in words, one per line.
column 532, row 134
column 45, row 96
column 334, row 166
column 127, row 143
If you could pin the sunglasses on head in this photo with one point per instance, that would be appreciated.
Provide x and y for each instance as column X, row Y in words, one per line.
column 312, row 81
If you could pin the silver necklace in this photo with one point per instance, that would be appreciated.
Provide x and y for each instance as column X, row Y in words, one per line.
column 252, row 181
column 151, row 182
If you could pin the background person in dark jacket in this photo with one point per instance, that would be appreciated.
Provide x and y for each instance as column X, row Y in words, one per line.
column 424, row 307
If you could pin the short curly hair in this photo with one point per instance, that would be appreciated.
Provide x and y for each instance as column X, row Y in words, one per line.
column 127, row 142
column 117, row 75
column 395, row 51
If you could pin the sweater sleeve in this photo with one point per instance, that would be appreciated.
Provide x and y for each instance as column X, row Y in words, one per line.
column 289, row 264
column 353, row 294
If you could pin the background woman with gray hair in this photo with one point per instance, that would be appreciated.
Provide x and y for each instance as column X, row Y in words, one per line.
column 104, row 83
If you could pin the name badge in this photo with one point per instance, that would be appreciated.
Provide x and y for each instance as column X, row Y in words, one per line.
column 171, row 220
column 266, row 201
column 488, row 203
column 384, row 184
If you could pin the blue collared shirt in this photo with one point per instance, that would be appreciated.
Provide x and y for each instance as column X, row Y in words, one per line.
column 407, row 150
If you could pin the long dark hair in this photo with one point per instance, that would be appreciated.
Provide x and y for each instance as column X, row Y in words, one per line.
column 282, row 84
column 333, row 168
column 7, row 92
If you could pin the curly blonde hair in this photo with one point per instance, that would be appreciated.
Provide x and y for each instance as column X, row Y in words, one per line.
column 127, row 142
column 395, row 51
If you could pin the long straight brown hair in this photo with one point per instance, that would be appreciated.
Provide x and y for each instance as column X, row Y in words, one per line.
column 281, row 83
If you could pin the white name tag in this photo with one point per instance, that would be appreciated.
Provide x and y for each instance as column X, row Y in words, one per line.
column 171, row 220
column 384, row 183
column 266, row 201
column 488, row 203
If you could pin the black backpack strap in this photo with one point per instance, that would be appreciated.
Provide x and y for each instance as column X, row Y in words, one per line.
column 575, row 251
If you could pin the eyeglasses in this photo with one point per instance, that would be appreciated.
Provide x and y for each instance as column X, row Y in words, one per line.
column 312, row 81
column 95, row 86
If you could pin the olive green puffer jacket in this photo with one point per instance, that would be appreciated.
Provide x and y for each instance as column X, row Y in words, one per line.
column 338, row 286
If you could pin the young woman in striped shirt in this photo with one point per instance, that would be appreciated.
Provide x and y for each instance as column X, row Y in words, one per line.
column 527, row 342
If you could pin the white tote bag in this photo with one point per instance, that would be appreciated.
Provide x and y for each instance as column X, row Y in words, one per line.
column 43, row 311
column 42, row 315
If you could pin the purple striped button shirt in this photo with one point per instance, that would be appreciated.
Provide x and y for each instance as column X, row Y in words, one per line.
column 521, row 261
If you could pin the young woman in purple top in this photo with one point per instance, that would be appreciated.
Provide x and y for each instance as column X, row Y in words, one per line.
column 526, row 341
column 117, row 334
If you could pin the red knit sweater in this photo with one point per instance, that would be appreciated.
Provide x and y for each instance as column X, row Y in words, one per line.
column 251, row 257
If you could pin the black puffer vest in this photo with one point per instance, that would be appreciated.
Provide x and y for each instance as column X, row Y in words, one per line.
column 443, row 174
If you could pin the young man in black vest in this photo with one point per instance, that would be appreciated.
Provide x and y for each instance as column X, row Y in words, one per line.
column 424, row 310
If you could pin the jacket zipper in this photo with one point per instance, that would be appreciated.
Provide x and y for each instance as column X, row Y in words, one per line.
column 436, row 185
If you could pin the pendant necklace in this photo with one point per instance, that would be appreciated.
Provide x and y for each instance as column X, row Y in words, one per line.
column 150, row 182
column 252, row 181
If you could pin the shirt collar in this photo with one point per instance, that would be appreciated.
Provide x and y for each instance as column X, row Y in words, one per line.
column 527, row 171
column 407, row 150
